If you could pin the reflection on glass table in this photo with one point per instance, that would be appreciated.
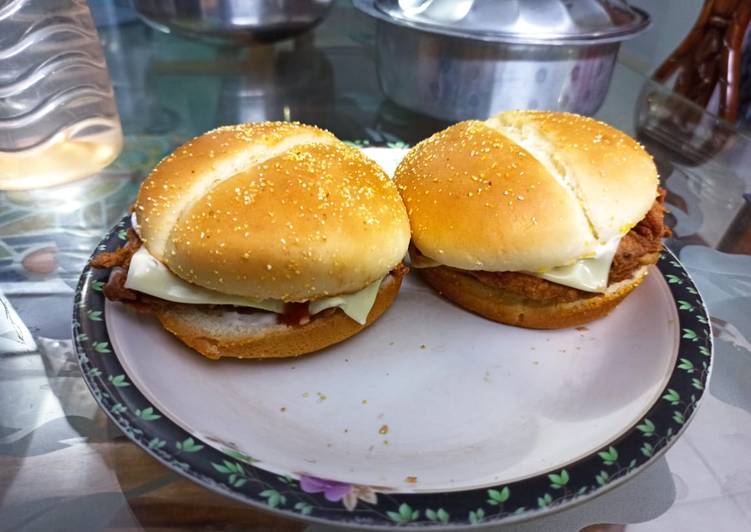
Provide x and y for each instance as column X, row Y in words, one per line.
column 61, row 460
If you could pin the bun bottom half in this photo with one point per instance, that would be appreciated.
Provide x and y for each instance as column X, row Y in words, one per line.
column 503, row 306
column 219, row 333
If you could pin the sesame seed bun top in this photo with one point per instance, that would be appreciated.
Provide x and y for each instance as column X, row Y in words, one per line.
column 524, row 191
column 273, row 210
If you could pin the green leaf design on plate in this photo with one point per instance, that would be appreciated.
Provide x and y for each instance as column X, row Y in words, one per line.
column 678, row 417
column 304, row 508
column 179, row 464
column 544, row 501
column 397, row 144
column 156, row 443
column 704, row 350
column 94, row 315
column 602, row 478
column 438, row 516
column 229, row 467
column 692, row 290
column 520, row 510
column 672, row 397
column 477, row 516
column 696, row 383
column 686, row 365
column 82, row 337
column 610, row 456
column 101, row 347
column 690, row 334
column 97, row 285
column 647, row 449
column 122, row 234
column 238, row 482
column 147, row 414
column 496, row 497
column 273, row 497
column 189, row 445
column 118, row 380
column 94, row 372
column 631, row 464
column 118, row 408
column 237, row 476
column 558, row 481
column 360, row 143
column 404, row 515
column 674, row 279
column 702, row 319
column 646, row 427
column 101, row 394
column 685, row 305
column 237, row 455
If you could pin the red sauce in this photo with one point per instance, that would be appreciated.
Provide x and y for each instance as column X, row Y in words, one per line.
column 294, row 314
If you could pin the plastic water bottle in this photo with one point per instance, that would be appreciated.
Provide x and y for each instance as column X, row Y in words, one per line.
column 58, row 119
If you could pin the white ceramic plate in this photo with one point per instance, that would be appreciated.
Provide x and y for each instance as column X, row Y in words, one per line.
column 429, row 392
column 432, row 416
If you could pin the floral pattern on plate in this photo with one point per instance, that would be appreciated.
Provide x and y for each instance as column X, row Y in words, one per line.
column 234, row 473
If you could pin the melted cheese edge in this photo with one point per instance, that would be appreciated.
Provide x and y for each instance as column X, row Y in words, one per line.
column 146, row 274
column 588, row 274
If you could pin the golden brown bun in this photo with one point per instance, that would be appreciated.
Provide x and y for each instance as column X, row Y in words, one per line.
column 478, row 201
column 213, row 335
column 613, row 175
column 189, row 172
column 273, row 210
column 499, row 305
column 524, row 191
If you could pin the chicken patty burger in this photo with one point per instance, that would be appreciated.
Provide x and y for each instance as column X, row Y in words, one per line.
column 262, row 240
column 535, row 219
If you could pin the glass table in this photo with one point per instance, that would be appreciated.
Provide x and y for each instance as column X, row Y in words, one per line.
column 63, row 466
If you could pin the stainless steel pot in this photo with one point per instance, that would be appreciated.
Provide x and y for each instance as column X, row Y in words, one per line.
column 234, row 20
column 473, row 58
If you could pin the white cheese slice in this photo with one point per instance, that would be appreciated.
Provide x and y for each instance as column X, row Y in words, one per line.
column 134, row 223
column 590, row 274
column 357, row 306
column 146, row 274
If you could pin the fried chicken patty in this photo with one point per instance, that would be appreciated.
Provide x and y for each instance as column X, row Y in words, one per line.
column 119, row 262
column 639, row 247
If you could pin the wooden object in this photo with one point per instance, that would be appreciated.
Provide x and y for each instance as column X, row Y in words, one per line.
column 709, row 58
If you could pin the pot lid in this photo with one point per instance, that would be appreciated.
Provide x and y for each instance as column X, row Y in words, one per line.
column 516, row 21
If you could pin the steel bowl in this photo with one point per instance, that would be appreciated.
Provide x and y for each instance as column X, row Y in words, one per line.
column 455, row 73
column 234, row 20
